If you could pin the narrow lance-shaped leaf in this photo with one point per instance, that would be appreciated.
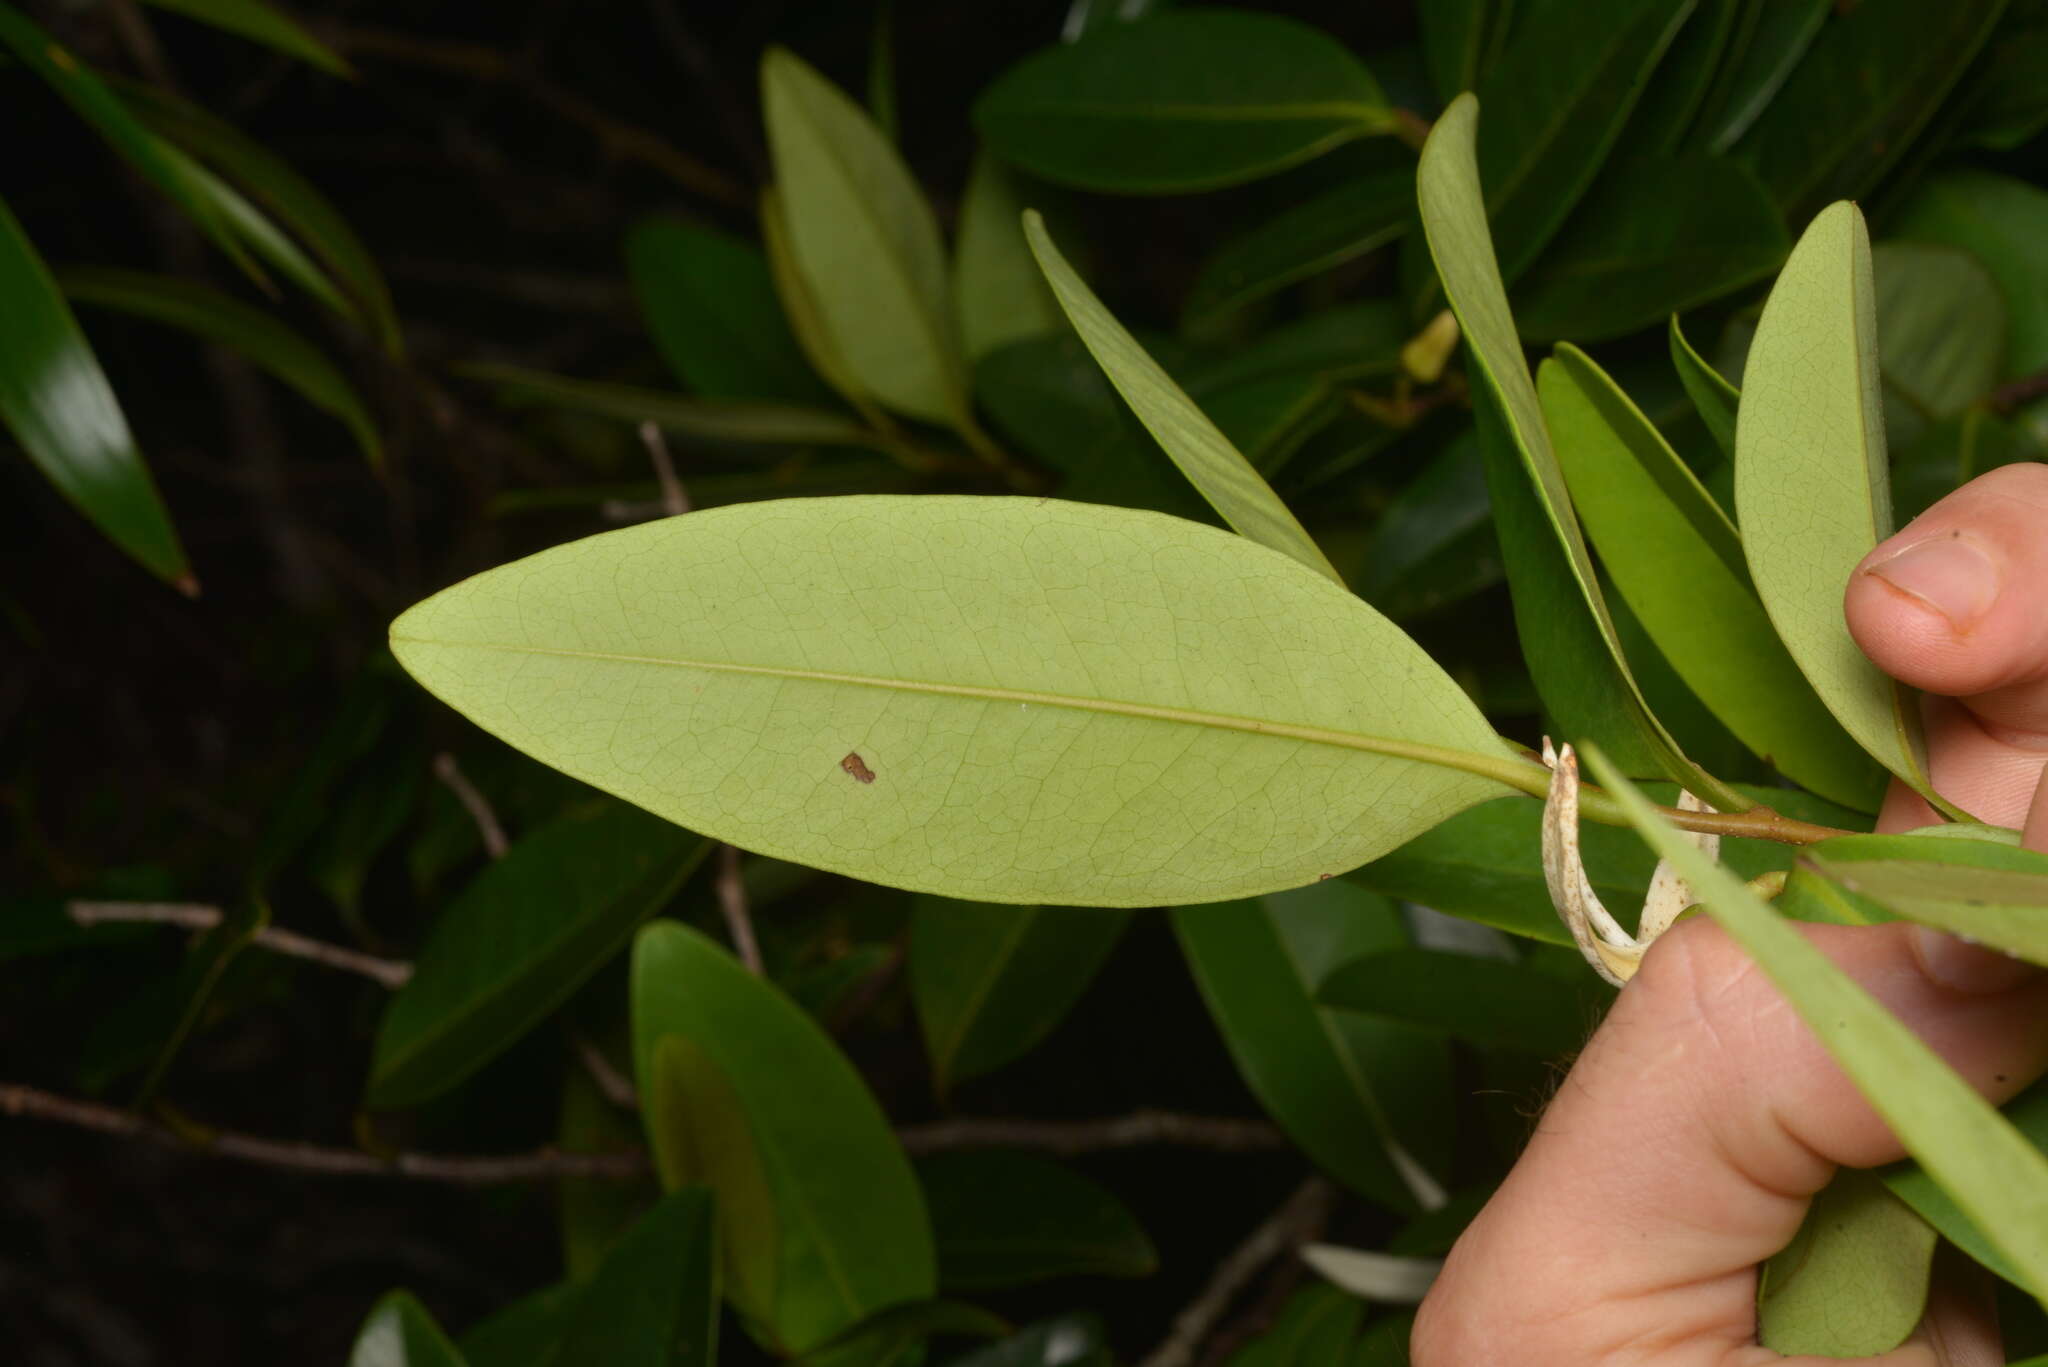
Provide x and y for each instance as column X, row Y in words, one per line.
column 1185, row 100
column 241, row 224
column 1677, row 561
column 262, row 23
column 1215, row 467
column 1562, row 618
column 1997, row 1177
column 58, row 404
column 1779, row 34
column 746, row 421
column 1339, row 225
column 1713, row 398
column 948, row 679
column 1812, row 484
column 251, row 333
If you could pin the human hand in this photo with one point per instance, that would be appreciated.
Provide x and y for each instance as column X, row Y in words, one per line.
column 1684, row 1146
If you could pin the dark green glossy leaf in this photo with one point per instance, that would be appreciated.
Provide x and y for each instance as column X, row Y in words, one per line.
column 378, row 800
column 1009, row 1219
column 272, row 183
column 1713, row 398
column 654, row 1301
column 1070, row 1341
column 256, row 336
column 1086, row 16
column 524, row 1333
column 1435, row 544
column 997, row 287
column 1269, row 419
column 1315, row 1327
column 1854, row 1280
column 1758, row 65
column 833, row 1227
column 1951, row 453
column 724, row 420
column 1678, row 563
column 1555, row 105
column 2003, row 223
column 1384, row 1343
column 1941, row 326
column 206, row 962
column 1651, row 238
column 1368, row 1100
column 520, row 939
column 1184, row 100
column 1314, row 236
column 1455, row 36
column 56, row 401
column 595, row 1210
column 244, row 231
column 259, row 22
column 990, row 981
column 896, row 1336
column 1682, row 81
column 1350, row 342
column 2008, row 103
column 711, row 304
column 1493, row 1003
column 400, row 1333
column 1824, row 137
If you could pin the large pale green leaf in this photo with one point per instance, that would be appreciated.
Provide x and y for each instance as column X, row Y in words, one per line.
column 1651, row 238
column 1555, row 104
column 520, row 939
column 991, row 981
column 1824, row 137
column 1982, row 889
column 1941, row 326
column 1812, row 487
column 865, row 243
column 1489, row 1002
column 1713, row 398
column 654, row 1301
column 400, row 1333
column 1004, row 1219
column 253, row 334
column 1758, row 64
column 1184, row 100
column 56, row 401
column 997, row 286
column 1994, row 1174
column 723, row 420
column 1005, row 699
column 1677, row 562
column 1854, row 1280
column 1369, row 1100
column 849, row 1226
column 1313, row 236
column 1215, row 467
column 710, row 302
column 1563, row 620
column 262, row 23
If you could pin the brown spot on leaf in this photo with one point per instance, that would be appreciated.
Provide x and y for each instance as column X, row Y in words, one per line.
column 858, row 767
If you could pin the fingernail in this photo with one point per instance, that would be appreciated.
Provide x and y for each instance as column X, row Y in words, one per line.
column 1961, row 966
column 1951, row 574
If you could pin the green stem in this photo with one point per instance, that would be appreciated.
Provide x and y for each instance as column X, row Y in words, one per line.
column 1756, row 823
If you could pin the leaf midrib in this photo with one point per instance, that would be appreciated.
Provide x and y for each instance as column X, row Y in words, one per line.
column 1502, row 768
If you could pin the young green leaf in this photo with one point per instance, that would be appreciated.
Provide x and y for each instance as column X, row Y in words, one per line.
column 710, row 302
column 997, row 286
column 1995, row 1175
column 1677, row 562
column 1366, row 1099
column 400, row 1333
column 1853, row 1282
column 1756, row 69
column 519, row 940
column 850, row 1235
column 1823, row 138
column 745, row 421
column 1316, row 235
column 1489, row 1002
column 1713, row 398
column 991, row 981
column 863, row 240
column 1940, row 326
column 255, row 335
column 1555, row 104
column 1812, row 487
column 1204, row 454
column 892, row 647
column 1184, row 100
column 259, row 22
column 1650, row 238
column 1563, row 620
column 1010, row 1219
column 654, row 1301
column 56, row 401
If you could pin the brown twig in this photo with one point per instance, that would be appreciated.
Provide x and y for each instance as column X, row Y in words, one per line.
column 1222, row 1134
column 1287, row 1228
column 732, row 901
column 625, row 141
column 674, row 502
column 616, row 1086
column 461, row 1169
column 480, row 811
column 390, row 973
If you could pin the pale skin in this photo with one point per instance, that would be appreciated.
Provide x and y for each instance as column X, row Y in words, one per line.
column 1683, row 1147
